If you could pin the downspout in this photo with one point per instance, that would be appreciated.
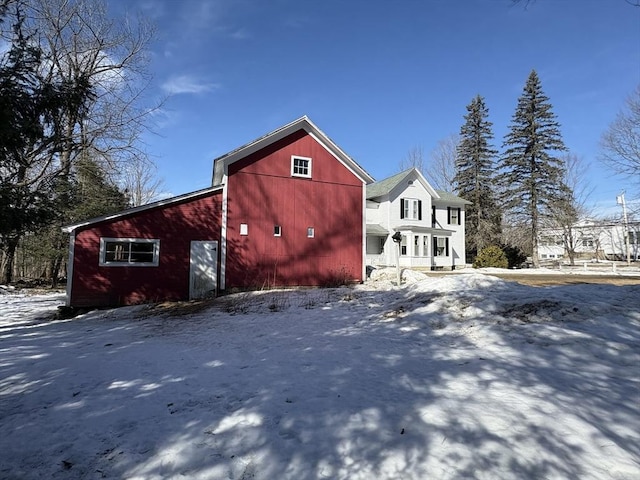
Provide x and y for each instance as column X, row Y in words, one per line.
column 223, row 237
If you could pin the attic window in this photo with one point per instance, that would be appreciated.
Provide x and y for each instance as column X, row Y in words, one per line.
column 410, row 182
column 300, row 167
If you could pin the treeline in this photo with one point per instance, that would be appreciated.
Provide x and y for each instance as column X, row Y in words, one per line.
column 534, row 183
column 71, row 118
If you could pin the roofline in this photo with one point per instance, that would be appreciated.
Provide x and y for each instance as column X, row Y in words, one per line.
column 141, row 208
column 425, row 183
column 301, row 123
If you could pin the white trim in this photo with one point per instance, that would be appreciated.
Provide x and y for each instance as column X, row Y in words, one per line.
column 156, row 252
column 72, row 250
column 223, row 235
column 364, row 233
column 302, row 175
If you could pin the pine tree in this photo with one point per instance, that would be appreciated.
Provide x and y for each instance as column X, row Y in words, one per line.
column 474, row 177
column 531, row 176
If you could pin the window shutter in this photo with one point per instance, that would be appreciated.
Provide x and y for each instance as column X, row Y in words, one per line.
column 448, row 215
column 435, row 246
column 446, row 247
column 459, row 210
column 402, row 208
column 419, row 209
column 433, row 216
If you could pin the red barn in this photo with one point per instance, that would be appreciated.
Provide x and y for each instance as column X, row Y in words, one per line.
column 286, row 209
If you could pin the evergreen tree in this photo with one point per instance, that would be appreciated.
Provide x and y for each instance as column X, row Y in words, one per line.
column 474, row 177
column 531, row 176
column 30, row 140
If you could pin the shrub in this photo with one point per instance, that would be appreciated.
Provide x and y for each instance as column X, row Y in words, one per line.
column 491, row 256
column 515, row 256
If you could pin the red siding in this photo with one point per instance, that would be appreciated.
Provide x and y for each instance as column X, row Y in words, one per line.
column 263, row 194
column 175, row 225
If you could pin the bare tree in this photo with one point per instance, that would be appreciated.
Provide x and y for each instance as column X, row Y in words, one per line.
column 414, row 159
column 621, row 142
column 440, row 169
column 81, row 42
column 565, row 213
column 139, row 180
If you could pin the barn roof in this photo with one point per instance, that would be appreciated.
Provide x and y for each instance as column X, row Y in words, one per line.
column 302, row 123
column 141, row 208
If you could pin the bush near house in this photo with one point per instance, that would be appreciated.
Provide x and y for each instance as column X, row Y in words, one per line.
column 491, row 256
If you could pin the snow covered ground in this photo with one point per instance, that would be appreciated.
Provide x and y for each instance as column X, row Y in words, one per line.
column 459, row 376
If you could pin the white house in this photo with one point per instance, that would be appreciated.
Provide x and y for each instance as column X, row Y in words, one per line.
column 430, row 222
column 592, row 240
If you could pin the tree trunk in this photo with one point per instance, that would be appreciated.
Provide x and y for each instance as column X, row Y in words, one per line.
column 10, row 247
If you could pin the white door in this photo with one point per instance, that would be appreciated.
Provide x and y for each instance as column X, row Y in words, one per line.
column 203, row 269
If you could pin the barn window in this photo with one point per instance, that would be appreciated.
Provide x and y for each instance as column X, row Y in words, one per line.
column 244, row 229
column 311, row 232
column 277, row 231
column 139, row 252
column 300, row 167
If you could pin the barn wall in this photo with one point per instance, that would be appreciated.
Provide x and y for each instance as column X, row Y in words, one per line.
column 262, row 194
column 175, row 225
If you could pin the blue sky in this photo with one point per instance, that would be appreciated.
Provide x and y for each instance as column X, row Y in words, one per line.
column 381, row 77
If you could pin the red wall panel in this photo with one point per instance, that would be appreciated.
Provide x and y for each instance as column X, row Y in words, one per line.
column 262, row 193
column 175, row 225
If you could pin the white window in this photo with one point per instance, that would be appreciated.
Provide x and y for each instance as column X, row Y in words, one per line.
column 403, row 245
column 633, row 238
column 425, row 245
column 453, row 215
column 441, row 246
column 311, row 232
column 587, row 242
column 411, row 208
column 416, row 246
column 301, row 167
column 138, row 252
column 277, row 231
column 244, row 229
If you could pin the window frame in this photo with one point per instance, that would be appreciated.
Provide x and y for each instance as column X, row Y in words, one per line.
column 277, row 230
column 311, row 232
column 309, row 161
column 103, row 262
column 411, row 209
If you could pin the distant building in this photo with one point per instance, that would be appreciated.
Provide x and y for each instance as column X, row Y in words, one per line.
column 592, row 240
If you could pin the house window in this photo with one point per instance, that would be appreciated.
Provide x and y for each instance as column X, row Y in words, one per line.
column 587, row 242
column 244, row 229
column 139, row 252
column 453, row 215
column 403, row 245
column 277, row 231
column 383, row 240
column 633, row 238
column 311, row 232
column 411, row 208
column 425, row 246
column 440, row 246
column 416, row 246
column 300, row 167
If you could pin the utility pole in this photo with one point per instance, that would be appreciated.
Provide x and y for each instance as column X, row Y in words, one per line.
column 620, row 201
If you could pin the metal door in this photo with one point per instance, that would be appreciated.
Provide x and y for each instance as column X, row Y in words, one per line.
column 203, row 269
